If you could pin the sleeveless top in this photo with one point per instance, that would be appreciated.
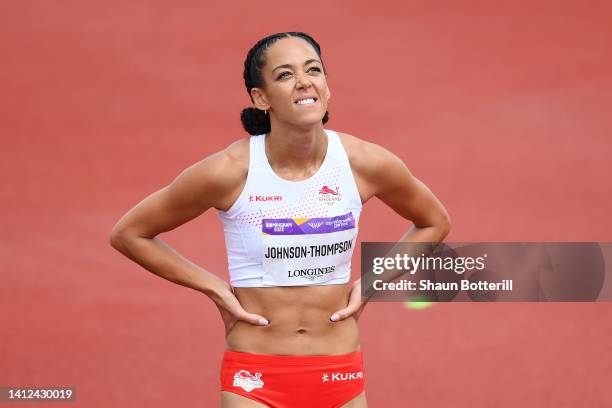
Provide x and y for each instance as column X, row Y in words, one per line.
column 293, row 233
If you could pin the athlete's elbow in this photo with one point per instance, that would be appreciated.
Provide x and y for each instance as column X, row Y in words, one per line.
column 119, row 239
column 444, row 225
column 115, row 240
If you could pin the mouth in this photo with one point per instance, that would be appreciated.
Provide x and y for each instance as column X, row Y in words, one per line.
column 306, row 101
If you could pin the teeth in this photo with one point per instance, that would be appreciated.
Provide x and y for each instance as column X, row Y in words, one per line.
column 305, row 101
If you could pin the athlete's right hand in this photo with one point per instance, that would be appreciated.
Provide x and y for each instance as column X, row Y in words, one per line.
column 231, row 310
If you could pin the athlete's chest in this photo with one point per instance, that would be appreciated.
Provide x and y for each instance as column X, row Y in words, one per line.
column 301, row 234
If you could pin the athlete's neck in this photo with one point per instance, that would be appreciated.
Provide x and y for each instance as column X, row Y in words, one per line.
column 296, row 152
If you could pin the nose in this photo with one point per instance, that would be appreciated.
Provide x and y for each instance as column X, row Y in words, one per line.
column 303, row 81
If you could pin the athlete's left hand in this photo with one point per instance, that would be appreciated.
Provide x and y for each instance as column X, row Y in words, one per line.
column 355, row 304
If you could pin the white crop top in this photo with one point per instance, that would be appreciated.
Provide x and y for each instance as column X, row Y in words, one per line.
column 293, row 233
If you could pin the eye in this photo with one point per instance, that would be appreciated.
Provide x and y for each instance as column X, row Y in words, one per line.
column 282, row 75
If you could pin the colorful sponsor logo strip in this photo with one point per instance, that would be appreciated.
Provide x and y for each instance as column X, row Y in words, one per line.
column 301, row 226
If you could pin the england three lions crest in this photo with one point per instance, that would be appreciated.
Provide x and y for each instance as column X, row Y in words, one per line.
column 329, row 195
column 246, row 381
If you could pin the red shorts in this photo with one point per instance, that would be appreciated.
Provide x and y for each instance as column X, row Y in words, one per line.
column 281, row 381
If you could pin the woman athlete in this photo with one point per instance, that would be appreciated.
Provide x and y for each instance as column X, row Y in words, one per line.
column 289, row 198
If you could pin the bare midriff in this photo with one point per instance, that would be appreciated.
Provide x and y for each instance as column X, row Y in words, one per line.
column 298, row 321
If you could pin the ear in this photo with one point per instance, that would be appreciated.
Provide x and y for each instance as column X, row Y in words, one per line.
column 259, row 99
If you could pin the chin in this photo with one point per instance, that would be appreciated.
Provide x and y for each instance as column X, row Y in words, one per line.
column 309, row 123
column 311, row 117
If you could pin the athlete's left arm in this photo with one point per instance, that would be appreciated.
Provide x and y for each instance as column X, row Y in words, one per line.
column 389, row 179
column 379, row 173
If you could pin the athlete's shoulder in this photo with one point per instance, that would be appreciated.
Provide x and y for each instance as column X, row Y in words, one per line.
column 236, row 155
column 367, row 158
column 216, row 178
column 230, row 165
column 229, row 161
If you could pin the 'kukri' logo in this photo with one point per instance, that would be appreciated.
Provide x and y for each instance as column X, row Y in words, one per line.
column 356, row 375
column 263, row 198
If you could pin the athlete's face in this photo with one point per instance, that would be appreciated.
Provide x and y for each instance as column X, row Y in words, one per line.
column 293, row 71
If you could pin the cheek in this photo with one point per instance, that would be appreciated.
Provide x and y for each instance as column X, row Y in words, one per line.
column 284, row 95
column 324, row 90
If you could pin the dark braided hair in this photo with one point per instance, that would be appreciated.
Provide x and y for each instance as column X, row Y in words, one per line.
column 254, row 120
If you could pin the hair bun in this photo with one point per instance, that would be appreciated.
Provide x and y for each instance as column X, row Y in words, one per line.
column 255, row 121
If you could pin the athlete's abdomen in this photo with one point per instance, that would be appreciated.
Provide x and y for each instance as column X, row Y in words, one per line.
column 299, row 321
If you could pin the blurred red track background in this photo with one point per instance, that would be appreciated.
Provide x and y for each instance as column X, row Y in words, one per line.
column 503, row 110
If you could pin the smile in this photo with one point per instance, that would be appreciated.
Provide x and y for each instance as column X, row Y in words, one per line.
column 306, row 101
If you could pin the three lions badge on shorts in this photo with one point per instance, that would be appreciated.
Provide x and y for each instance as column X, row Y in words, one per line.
column 246, row 381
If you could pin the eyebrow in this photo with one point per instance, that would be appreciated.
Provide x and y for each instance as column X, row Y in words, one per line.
column 290, row 66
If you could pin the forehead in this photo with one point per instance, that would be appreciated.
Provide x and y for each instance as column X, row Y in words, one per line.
column 291, row 50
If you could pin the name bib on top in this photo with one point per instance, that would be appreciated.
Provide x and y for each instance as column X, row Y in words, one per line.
column 307, row 251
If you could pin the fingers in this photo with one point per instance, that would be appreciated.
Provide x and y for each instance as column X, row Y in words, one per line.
column 339, row 315
column 343, row 314
column 239, row 313
column 229, row 304
column 252, row 318
column 354, row 304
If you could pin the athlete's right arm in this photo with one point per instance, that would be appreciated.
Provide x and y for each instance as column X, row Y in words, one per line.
column 212, row 182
